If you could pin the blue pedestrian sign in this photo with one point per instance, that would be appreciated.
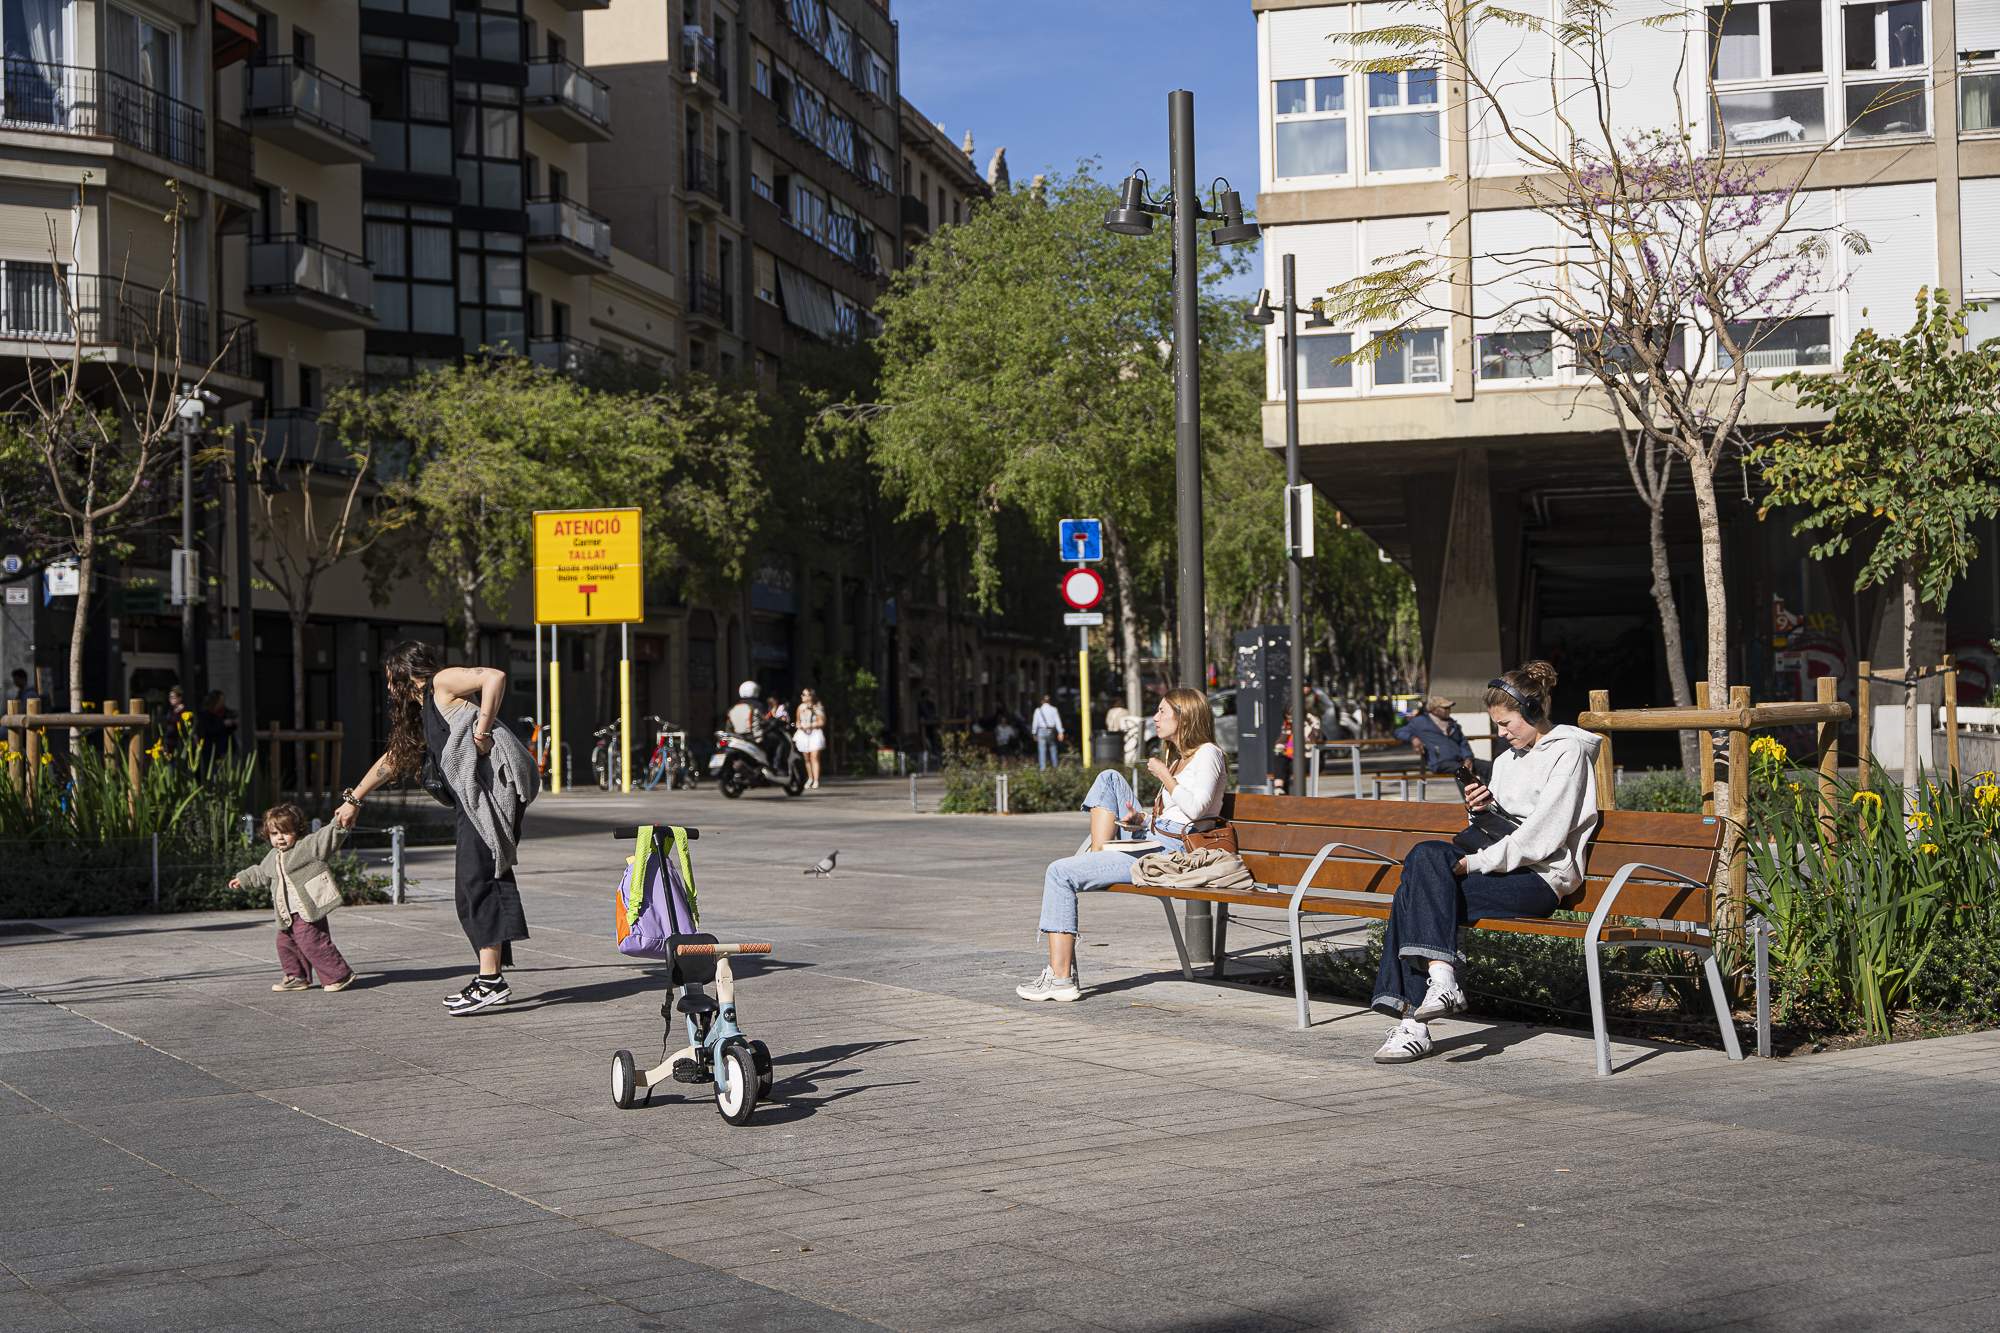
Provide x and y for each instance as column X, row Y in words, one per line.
column 1082, row 539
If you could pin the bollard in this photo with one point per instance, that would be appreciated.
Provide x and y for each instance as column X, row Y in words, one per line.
column 156, row 872
column 899, row 763
column 396, row 863
column 913, row 793
column 1762, row 935
column 249, row 828
column 999, row 793
column 1135, row 782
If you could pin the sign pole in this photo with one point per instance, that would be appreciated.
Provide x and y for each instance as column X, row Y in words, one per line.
column 541, row 737
column 1083, row 671
column 555, row 714
column 625, row 709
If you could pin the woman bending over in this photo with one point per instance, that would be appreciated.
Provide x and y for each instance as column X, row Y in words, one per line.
column 1193, row 779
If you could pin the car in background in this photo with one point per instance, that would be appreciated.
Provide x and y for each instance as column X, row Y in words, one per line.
column 1222, row 705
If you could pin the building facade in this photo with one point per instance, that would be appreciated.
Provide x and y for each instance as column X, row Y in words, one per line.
column 1476, row 455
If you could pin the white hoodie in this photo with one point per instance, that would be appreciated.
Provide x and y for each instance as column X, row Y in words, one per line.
column 1552, row 790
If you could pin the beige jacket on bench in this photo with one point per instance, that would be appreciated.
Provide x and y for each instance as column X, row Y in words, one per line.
column 1196, row 868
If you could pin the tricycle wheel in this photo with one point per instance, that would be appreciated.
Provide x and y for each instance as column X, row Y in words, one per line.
column 624, row 1080
column 763, row 1054
column 736, row 1085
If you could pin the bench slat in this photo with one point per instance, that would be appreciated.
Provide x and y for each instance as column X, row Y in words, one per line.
column 1661, row 902
column 1280, row 902
column 1604, row 856
column 1640, row 828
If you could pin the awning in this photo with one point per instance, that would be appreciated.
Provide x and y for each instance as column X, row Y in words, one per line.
column 808, row 303
column 235, row 37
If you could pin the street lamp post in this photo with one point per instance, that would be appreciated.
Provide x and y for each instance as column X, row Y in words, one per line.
column 246, row 632
column 1134, row 217
column 1297, row 501
column 188, row 416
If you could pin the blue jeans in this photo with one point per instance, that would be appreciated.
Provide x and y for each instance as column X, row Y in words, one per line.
column 1431, row 903
column 1072, row 875
column 1045, row 749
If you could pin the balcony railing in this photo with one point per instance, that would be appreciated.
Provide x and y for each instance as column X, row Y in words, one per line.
column 565, row 355
column 556, row 218
column 706, row 296
column 284, row 86
column 291, row 435
column 235, row 159
column 108, row 312
column 72, row 99
column 236, row 346
column 564, row 83
column 704, row 176
column 299, row 266
column 916, row 213
column 698, row 59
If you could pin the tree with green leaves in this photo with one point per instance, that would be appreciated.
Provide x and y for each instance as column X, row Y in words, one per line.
column 1027, row 364
column 1909, row 465
column 496, row 438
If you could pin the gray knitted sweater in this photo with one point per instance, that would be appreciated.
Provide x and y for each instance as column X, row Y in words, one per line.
column 493, row 790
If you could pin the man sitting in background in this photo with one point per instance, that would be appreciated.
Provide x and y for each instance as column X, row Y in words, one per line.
column 1436, row 736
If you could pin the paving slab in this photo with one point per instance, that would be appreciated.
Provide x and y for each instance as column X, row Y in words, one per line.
column 1164, row 1155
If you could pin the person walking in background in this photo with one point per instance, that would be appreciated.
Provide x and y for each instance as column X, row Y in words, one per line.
column 1048, row 729
column 303, row 892
column 214, row 732
column 1436, row 735
column 811, row 738
column 20, row 691
column 449, row 716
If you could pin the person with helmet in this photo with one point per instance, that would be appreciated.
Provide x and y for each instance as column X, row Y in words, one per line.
column 743, row 717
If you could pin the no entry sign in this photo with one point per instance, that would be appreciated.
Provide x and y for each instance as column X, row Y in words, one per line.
column 1082, row 588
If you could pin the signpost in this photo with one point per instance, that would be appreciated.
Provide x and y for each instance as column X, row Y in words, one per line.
column 588, row 572
column 1082, row 540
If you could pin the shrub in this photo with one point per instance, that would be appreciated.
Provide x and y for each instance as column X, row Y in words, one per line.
column 969, row 771
column 1665, row 790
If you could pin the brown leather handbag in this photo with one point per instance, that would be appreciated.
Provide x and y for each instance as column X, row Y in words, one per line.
column 1219, row 836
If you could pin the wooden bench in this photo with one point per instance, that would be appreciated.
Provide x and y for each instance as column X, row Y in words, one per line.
column 1648, row 882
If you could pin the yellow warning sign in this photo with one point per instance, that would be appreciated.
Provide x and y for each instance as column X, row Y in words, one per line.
column 587, row 569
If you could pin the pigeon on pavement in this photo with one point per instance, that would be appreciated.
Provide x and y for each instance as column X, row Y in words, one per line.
column 825, row 866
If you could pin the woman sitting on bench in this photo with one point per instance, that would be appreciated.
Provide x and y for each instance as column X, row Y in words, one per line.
column 1545, row 783
column 1193, row 778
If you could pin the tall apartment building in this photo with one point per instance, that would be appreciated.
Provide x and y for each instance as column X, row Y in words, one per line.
column 1487, row 465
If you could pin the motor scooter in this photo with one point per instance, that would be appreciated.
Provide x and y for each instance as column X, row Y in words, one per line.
column 765, row 758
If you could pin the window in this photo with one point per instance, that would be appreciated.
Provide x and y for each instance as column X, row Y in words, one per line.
column 309, row 392
column 1403, row 121
column 1613, row 350
column 1310, row 126
column 492, row 33
column 1982, row 324
column 1413, row 356
column 410, row 249
column 1516, row 356
column 489, row 145
column 765, row 276
column 1319, row 364
column 1779, row 43
column 492, row 290
column 1979, row 101
column 409, row 85
column 1883, row 38
column 1781, row 344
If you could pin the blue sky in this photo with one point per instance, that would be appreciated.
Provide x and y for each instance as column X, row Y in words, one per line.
column 1058, row 81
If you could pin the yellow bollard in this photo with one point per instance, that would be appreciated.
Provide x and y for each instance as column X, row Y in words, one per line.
column 625, row 709
column 1083, row 704
column 555, row 714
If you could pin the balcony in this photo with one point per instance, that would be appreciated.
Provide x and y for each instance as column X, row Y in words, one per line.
column 709, row 300
column 566, row 235
column 101, row 313
column 311, row 282
column 235, row 158
column 916, row 217
column 94, row 103
column 703, row 176
column 565, row 98
column 307, row 110
column 704, row 71
column 291, row 435
column 564, row 355
column 582, row 6
column 236, row 346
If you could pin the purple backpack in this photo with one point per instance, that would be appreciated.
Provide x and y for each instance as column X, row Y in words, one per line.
column 656, row 900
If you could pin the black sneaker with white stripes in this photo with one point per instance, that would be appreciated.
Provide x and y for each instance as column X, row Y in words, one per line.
column 479, row 994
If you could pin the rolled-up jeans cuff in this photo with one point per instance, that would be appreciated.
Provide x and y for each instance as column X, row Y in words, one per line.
column 1395, row 1006
column 1435, row 955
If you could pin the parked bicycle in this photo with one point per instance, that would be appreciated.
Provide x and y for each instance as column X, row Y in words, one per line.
column 604, row 756
column 670, row 761
column 538, row 746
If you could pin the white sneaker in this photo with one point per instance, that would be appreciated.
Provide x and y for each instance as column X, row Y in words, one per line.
column 1405, row 1043
column 1049, row 986
column 1442, row 999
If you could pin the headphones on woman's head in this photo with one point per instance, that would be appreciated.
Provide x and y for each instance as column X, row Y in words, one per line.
column 1531, row 711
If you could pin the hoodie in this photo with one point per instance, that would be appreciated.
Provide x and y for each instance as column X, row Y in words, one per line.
column 1552, row 790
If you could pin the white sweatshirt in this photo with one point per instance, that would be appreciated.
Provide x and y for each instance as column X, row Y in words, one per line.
column 1198, row 787
column 1552, row 790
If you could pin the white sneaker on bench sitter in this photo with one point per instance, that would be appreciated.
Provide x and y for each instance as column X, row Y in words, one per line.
column 1049, row 986
column 1407, row 1041
column 1442, row 999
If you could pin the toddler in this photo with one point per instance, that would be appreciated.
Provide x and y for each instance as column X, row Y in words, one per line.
column 302, row 893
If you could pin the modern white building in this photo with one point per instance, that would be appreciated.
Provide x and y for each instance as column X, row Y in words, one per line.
column 1472, row 452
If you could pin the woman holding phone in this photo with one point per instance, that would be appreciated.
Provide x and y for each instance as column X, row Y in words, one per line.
column 1522, row 852
column 1193, row 778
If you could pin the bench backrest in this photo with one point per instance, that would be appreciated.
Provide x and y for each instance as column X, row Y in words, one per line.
column 1278, row 834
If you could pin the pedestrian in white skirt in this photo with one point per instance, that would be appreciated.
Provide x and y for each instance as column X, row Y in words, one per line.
column 811, row 736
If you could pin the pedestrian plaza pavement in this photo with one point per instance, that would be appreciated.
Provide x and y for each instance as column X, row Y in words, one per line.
column 180, row 1148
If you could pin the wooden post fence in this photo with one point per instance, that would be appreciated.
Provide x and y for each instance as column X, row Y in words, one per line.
column 317, row 767
column 1827, row 744
column 1950, row 670
column 1864, row 720
column 24, row 730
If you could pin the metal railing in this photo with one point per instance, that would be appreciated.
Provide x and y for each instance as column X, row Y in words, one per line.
column 74, row 99
column 703, row 175
column 236, row 345
column 554, row 80
column 282, row 265
column 291, row 435
column 706, row 296
column 566, row 355
column 108, row 313
column 916, row 213
column 235, row 158
column 559, row 218
column 699, row 59
column 285, row 86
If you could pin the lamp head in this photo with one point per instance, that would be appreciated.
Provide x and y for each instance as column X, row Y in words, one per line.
column 1234, row 230
column 1130, row 218
column 1319, row 319
column 1261, row 313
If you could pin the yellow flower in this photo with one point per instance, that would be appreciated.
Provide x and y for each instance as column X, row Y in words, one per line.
column 1921, row 819
column 157, row 750
column 1928, row 849
column 1987, row 794
column 1985, row 775
column 186, row 716
column 1869, row 796
column 1794, row 786
column 45, row 756
column 1768, row 747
